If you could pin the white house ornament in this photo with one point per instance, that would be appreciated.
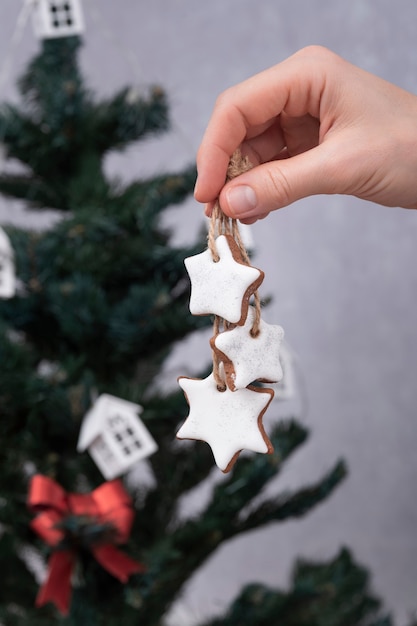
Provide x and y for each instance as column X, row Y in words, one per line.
column 114, row 435
column 222, row 287
column 249, row 357
column 7, row 267
column 228, row 421
column 57, row 18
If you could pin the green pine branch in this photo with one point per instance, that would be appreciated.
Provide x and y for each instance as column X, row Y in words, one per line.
column 29, row 188
column 176, row 555
column 62, row 134
column 128, row 116
column 293, row 505
column 336, row 593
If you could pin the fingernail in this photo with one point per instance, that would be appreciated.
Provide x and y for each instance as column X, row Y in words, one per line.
column 195, row 186
column 242, row 200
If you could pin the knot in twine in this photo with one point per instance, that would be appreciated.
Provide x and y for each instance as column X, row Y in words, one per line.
column 221, row 224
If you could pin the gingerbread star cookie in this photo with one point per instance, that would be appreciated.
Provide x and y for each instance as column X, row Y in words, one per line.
column 229, row 421
column 222, row 287
column 247, row 358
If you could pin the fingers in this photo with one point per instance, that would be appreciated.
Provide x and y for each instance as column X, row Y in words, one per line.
column 266, row 145
column 311, row 125
column 276, row 184
column 300, row 133
column 295, row 85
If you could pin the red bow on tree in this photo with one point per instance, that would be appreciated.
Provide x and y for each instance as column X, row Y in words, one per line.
column 108, row 510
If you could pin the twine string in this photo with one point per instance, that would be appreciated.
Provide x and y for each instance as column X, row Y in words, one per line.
column 221, row 224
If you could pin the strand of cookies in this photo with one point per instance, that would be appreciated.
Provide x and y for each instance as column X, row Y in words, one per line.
column 226, row 409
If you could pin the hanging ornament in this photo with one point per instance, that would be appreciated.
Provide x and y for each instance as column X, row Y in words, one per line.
column 70, row 522
column 114, row 435
column 57, row 18
column 228, row 421
column 7, row 267
column 225, row 410
column 223, row 284
column 248, row 357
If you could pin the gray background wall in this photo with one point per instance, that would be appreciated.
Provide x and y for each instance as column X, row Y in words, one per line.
column 343, row 272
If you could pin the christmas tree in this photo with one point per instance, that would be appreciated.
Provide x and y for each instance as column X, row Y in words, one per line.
column 102, row 298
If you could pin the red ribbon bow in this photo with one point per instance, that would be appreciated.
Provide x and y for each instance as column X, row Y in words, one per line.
column 108, row 504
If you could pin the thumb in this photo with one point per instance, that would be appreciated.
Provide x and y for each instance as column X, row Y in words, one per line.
column 277, row 184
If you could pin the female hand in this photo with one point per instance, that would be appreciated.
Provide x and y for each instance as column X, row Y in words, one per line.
column 313, row 124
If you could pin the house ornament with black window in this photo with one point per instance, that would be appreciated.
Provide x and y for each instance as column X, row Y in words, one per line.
column 57, row 18
column 114, row 435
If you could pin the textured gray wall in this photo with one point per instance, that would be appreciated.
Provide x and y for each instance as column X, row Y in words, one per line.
column 343, row 272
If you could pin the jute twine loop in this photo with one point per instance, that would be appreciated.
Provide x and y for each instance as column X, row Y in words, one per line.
column 221, row 224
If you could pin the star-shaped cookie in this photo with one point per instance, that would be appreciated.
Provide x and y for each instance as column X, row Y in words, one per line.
column 228, row 421
column 247, row 358
column 224, row 287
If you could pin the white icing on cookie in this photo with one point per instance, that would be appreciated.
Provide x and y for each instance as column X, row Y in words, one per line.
column 248, row 358
column 222, row 288
column 228, row 421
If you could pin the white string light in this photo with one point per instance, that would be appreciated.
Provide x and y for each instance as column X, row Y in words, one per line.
column 15, row 41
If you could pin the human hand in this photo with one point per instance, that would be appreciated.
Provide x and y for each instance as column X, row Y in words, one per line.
column 313, row 124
